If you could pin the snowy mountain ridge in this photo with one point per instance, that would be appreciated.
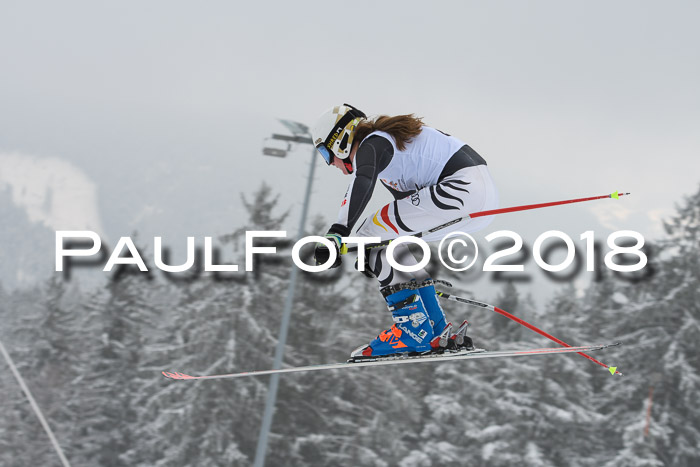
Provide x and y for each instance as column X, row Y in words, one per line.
column 51, row 191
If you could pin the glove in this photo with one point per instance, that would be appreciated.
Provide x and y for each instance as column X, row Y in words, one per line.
column 322, row 253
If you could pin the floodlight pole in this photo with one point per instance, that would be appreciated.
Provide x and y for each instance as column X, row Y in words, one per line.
column 286, row 313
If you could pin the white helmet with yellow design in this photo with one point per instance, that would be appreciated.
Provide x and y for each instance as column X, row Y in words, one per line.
column 334, row 130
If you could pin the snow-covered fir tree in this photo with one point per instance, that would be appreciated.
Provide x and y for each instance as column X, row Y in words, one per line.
column 659, row 320
column 94, row 361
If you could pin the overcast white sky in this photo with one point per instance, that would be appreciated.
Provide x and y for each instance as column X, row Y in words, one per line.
column 164, row 104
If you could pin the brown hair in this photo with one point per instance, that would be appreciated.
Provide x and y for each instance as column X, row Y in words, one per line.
column 403, row 128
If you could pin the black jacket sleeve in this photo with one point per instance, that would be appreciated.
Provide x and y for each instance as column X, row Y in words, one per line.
column 373, row 156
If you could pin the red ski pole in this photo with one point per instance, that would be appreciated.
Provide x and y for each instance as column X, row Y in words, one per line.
column 345, row 249
column 527, row 207
column 522, row 322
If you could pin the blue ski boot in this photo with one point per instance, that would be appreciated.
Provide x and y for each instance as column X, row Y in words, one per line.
column 448, row 338
column 411, row 333
column 438, row 321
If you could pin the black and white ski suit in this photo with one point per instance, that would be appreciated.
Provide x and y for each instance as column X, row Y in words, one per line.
column 435, row 179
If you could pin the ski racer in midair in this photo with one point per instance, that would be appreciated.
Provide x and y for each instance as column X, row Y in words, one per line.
column 439, row 185
column 434, row 178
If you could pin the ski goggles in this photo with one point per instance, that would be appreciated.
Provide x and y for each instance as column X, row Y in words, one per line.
column 325, row 153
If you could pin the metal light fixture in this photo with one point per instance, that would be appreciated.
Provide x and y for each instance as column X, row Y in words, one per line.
column 301, row 135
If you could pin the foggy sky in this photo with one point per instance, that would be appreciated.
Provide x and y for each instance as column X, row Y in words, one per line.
column 165, row 105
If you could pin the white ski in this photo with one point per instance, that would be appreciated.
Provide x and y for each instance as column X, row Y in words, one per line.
column 447, row 356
